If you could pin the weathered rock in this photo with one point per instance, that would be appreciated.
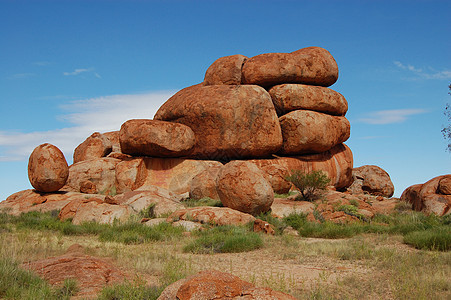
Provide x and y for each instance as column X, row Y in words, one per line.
column 282, row 207
column 412, row 195
column 373, row 180
column 156, row 138
column 307, row 131
column 264, row 227
column 225, row 70
column 91, row 273
column 187, row 225
column 433, row 202
column 203, row 184
column 31, row 200
column 276, row 175
column 95, row 146
column 174, row 174
column 100, row 172
column 289, row 97
column 444, row 186
column 211, row 215
column 312, row 65
column 102, row 213
column 113, row 137
column 159, row 200
column 47, row 168
column 70, row 209
column 212, row 284
column 230, row 121
column 336, row 163
column 241, row 185
column 130, row 175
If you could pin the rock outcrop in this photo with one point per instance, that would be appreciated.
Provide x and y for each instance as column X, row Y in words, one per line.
column 95, row 146
column 211, row 215
column 225, row 70
column 372, row 180
column 47, row 168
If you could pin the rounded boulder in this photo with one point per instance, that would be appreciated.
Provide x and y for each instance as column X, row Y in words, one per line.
column 225, row 70
column 47, row 168
column 242, row 186
column 155, row 138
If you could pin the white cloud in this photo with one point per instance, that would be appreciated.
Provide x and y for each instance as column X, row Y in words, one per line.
column 87, row 116
column 390, row 116
column 430, row 73
column 77, row 72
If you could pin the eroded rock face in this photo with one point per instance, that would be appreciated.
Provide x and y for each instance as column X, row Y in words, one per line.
column 91, row 273
column 130, row 175
column 307, row 131
column 284, row 207
column 95, row 146
column 276, row 174
column 225, row 70
column 155, row 138
column 444, row 186
column 241, row 185
column 99, row 175
column 373, row 180
column 312, row 65
column 204, row 184
column 229, row 121
column 289, row 97
column 113, row 137
column 47, row 168
column 434, row 202
column 337, row 163
column 211, row 284
column 102, row 213
column 211, row 215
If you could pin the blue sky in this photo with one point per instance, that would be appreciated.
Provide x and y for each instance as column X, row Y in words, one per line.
column 70, row 68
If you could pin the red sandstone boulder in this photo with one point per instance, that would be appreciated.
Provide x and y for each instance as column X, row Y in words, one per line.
column 102, row 213
column 225, row 70
column 47, row 168
column 433, row 202
column 336, row 163
column 289, row 97
column 113, row 137
column 373, row 180
column 230, row 121
column 276, row 174
column 31, row 200
column 211, row 284
column 95, row 146
column 98, row 175
column 281, row 208
column 91, row 273
column 211, row 215
column 156, row 138
column 159, row 200
column 203, row 184
column 412, row 195
column 130, row 175
column 307, row 131
column 312, row 65
column 241, row 185
column 444, row 186
column 174, row 174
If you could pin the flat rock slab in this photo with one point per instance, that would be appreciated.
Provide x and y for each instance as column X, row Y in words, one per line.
column 211, row 215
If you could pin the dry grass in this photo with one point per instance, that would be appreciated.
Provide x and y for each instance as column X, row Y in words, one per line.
column 369, row 266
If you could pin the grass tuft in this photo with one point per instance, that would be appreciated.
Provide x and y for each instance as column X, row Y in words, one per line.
column 438, row 238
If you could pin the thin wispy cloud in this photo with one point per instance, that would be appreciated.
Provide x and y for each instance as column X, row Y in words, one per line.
column 383, row 117
column 80, row 71
column 100, row 114
column 424, row 73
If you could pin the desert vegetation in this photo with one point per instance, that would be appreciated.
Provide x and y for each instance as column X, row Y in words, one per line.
column 390, row 257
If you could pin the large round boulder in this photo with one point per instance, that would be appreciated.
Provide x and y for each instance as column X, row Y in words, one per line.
column 155, row 138
column 307, row 131
column 95, row 146
column 225, row 70
column 47, row 168
column 230, row 121
column 242, row 186
column 372, row 180
column 289, row 97
column 312, row 65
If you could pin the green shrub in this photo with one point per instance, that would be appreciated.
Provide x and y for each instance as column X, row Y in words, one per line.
column 438, row 238
column 206, row 201
column 309, row 184
column 225, row 239
column 136, row 233
column 130, row 290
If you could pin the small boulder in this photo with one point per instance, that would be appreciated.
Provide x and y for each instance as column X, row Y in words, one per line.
column 225, row 70
column 289, row 97
column 47, row 168
column 312, row 65
column 156, row 138
column 211, row 215
column 373, row 180
column 307, row 131
column 230, row 121
column 281, row 208
column 242, row 186
column 95, row 146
